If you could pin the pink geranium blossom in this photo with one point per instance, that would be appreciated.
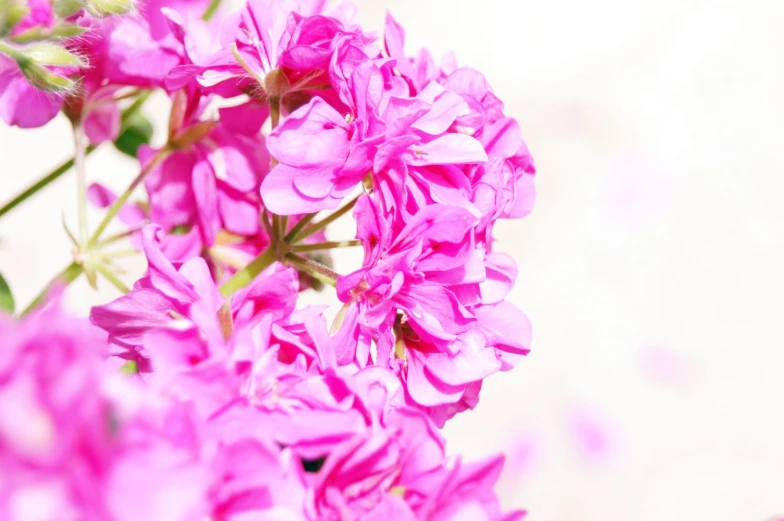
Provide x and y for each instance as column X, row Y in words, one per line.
column 208, row 390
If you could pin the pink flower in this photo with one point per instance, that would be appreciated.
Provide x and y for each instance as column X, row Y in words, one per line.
column 286, row 47
column 167, row 295
column 145, row 47
column 466, row 492
column 209, row 187
column 324, row 155
column 433, row 304
column 247, row 406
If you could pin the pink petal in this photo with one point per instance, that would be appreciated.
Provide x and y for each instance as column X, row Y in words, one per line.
column 447, row 149
column 102, row 123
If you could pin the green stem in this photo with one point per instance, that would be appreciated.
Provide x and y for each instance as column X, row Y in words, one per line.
column 9, row 51
column 312, row 268
column 118, row 204
column 329, row 245
column 111, row 277
column 313, row 228
column 118, row 237
column 298, row 227
column 134, row 107
column 211, row 10
column 274, row 104
column 130, row 252
column 55, row 174
column 41, row 183
column 80, row 154
column 68, row 275
column 246, row 275
column 276, row 235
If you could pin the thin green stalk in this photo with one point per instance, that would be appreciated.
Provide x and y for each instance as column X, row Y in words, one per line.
column 134, row 107
column 298, row 227
column 315, row 227
column 211, row 10
column 276, row 235
column 118, row 204
column 9, row 51
column 64, row 167
column 130, row 252
column 117, row 237
column 65, row 277
column 274, row 105
column 111, row 277
column 246, row 275
column 313, row 268
column 80, row 154
column 329, row 245
column 41, row 183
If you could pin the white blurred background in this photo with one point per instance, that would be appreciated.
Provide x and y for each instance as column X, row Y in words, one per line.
column 650, row 268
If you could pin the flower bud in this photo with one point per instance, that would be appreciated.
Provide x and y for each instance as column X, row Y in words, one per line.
column 66, row 8
column 177, row 114
column 109, row 7
column 191, row 135
column 33, row 59
column 11, row 13
column 50, row 54
column 276, row 84
column 42, row 78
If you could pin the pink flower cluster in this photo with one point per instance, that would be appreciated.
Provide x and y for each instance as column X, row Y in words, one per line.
column 246, row 405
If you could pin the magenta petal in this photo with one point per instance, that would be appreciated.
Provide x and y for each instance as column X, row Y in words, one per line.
column 501, row 274
column 206, row 194
column 315, row 182
column 281, row 197
column 21, row 104
column 434, row 311
column 448, row 149
column 394, row 41
column 445, row 109
column 245, row 119
column 311, row 136
column 502, row 138
column 472, row 363
column 130, row 316
column 101, row 197
column 423, row 387
column 161, row 271
column 525, row 197
column 238, row 213
column 102, row 123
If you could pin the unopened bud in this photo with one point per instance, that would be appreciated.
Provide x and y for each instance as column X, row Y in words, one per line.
column 191, row 135
column 109, row 7
column 66, row 30
column 66, row 8
column 50, row 54
column 11, row 13
column 44, row 79
column 177, row 114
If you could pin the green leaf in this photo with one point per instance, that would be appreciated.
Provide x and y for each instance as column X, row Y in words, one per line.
column 137, row 132
column 6, row 298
